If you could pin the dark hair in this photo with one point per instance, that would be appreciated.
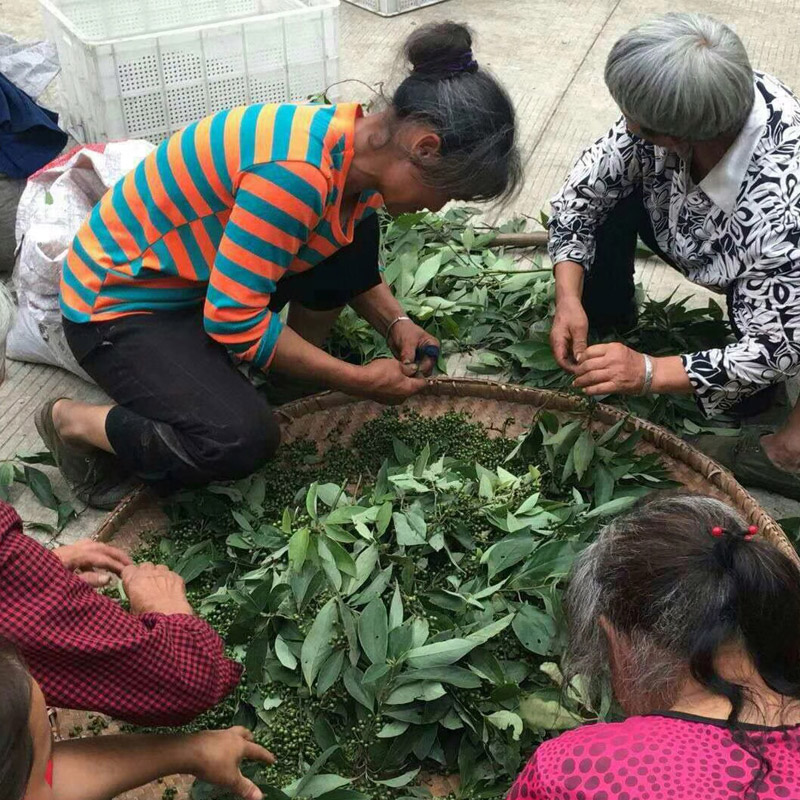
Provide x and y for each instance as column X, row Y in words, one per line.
column 468, row 109
column 16, row 744
column 679, row 593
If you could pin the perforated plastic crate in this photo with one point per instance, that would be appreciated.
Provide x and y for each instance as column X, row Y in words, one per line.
column 390, row 8
column 147, row 68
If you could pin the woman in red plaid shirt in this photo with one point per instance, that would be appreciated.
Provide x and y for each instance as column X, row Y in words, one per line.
column 158, row 665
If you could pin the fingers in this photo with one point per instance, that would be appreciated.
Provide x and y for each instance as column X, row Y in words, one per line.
column 559, row 346
column 602, row 388
column 95, row 579
column 579, row 348
column 255, row 752
column 593, row 377
column 105, row 557
column 409, row 368
column 246, row 788
column 426, row 366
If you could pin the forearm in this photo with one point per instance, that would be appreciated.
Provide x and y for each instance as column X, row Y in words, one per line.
column 378, row 306
column 669, row 376
column 99, row 768
column 296, row 357
column 569, row 281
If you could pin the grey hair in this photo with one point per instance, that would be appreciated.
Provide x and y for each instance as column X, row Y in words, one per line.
column 682, row 75
column 636, row 575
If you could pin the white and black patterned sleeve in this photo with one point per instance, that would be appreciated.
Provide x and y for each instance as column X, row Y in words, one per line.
column 766, row 309
column 604, row 174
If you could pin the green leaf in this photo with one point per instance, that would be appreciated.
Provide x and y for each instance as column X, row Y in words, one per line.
column 542, row 714
column 284, row 654
column 384, row 518
column 583, row 453
column 354, row 683
column 455, row 676
column 392, row 729
column 311, row 500
column 316, row 647
column 440, row 654
column 373, row 631
column 507, row 719
column 406, row 535
column 535, row 630
column 425, row 273
column 396, row 609
column 242, row 521
column 615, row 506
column 256, row 653
column 400, row 780
column 319, row 785
column 365, row 564
column 508, row 552
column 6, row 473
column 329, row 672
column 298, row 788
column 422, row 690
column 491, row 630
column 40, row 485
column 298, row 548
column 402, row 452
column 603, row 485
column 342, row 559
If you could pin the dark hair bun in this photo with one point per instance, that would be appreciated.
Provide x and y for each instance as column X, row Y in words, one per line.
column 441, row 48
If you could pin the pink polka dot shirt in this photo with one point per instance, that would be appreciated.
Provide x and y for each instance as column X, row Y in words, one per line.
column 662, row 757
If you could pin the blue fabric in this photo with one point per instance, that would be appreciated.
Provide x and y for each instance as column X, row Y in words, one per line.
column 29, row 134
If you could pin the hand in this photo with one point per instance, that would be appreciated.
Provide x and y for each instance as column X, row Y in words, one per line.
column 218, row 755
column 610, row 369
column 388, row 381
column 152, row 588
column 569, row 333
column 404, row 339
column 86, row 556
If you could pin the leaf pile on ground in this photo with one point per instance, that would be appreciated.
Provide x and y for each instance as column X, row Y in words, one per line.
column 396, row 599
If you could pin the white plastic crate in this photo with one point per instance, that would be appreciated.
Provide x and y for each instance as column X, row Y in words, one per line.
column 137, row 69
column 390, row 8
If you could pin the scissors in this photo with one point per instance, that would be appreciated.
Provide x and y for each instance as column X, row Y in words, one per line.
column 425, row 351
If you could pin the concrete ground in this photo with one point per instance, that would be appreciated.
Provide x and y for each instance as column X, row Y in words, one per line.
column 550, row 55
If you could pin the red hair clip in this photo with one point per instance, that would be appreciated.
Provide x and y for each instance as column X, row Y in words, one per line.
column 751, row 532
column 717, row 531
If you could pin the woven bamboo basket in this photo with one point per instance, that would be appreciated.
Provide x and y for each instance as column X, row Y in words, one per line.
column 486, row 402
column 491, row 404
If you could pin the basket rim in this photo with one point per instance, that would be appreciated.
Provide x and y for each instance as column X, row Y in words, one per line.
column 51, row 8
column 716, row 475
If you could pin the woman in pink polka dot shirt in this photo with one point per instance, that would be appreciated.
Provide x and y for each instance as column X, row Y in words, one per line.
column 693, row 620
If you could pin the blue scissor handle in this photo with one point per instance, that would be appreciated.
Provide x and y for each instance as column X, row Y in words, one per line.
column 427, row 351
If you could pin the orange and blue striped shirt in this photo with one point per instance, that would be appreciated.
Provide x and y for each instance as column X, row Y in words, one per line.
column 216, row 215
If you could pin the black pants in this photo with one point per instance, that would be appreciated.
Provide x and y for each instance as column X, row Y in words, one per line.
column 608, row 289
column 185, row 415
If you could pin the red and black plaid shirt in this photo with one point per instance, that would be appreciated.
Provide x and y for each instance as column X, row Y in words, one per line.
column 87, row 653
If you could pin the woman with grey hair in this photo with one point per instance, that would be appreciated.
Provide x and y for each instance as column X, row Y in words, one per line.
column 693, row 620
column 702, row 166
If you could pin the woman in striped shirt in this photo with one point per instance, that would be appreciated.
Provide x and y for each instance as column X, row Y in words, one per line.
column 189, row 259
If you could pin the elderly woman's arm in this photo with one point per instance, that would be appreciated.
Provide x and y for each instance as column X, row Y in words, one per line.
column 605, row 173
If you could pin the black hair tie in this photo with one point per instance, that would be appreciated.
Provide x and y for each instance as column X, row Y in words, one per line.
column 464, row 63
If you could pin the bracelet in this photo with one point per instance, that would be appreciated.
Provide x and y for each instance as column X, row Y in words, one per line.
column 648, row 374
column 393, row 323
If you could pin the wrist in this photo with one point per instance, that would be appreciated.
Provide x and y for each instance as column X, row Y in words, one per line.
column 351, row 379
column 191, row 752
column 168, row 608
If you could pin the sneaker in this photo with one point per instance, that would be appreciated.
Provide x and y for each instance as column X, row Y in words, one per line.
column 95, row 477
